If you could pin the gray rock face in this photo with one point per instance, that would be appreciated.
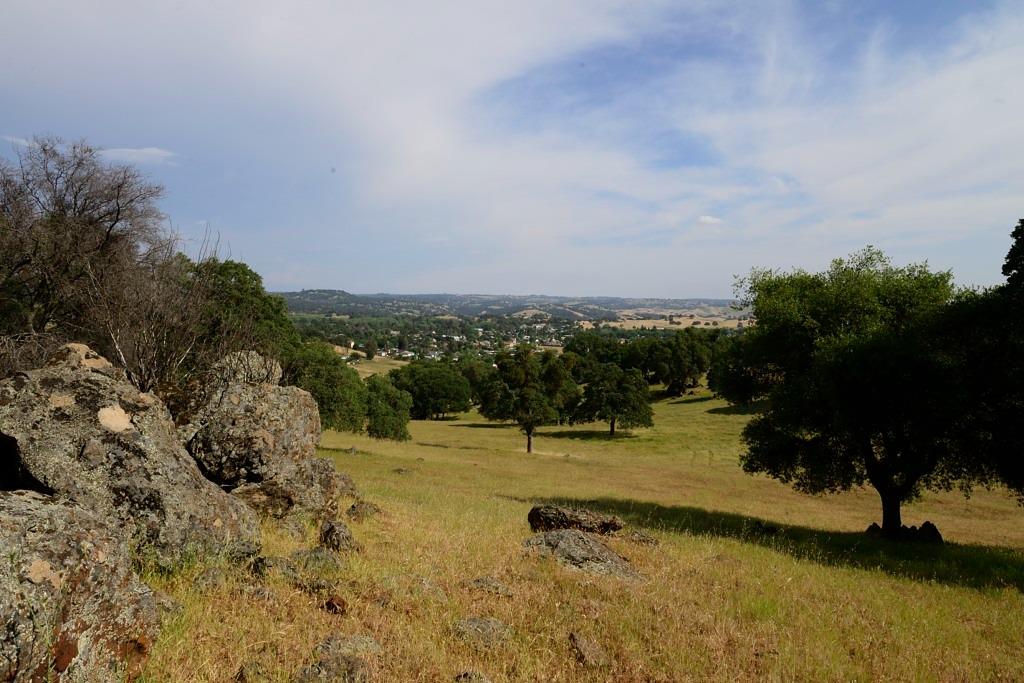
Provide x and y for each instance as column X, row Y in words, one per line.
column 552, row 517
column 585, row 552
column 69, row 602
column 77, row 428
column 259, row 440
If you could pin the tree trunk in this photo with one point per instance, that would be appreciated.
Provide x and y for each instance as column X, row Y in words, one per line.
column 611, row 424
column 529, row 442
column 892, row 522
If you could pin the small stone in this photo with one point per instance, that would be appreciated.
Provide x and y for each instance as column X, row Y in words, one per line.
column 358, row 644
column 362, row 510
column 335, row 604
column 251, row 672
column 400, row 470
column 211, row 578
column 336, row 669
column 334, row 535
column 424, row 586
column 258, row 593
column 485, row 631
column 588, row 652
column 317, row 560
column 641, row 538
column 489, row 584
column 472, row 677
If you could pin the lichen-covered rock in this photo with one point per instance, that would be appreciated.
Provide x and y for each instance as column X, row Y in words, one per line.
column 582, row 551
column 552, row 517
column 77, row 428
column 70, row 606
column 259, row 440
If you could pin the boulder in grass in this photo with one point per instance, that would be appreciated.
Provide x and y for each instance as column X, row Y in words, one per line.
column 77, row 428
column 258, row 440
column 584, row 552
column 552, row 517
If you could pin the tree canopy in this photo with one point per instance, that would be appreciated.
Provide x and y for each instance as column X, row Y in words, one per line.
column 387, row 409
column 524, row 391
column 616, row 396
column 848, row 382
column 438, row 389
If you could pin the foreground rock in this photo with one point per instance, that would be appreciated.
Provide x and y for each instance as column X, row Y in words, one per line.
column 259, row 440
column 585, row 552
column 552, row 517
column 76, row 427
column 69, row 603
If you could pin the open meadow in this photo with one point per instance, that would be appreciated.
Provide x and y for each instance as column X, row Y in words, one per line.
column 750, row 581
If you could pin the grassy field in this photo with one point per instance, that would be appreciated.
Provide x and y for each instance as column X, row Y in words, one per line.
column 377, row 365
column 751, row 581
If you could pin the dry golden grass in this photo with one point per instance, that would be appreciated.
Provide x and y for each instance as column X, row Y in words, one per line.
column 377, row 365
column 751, row 581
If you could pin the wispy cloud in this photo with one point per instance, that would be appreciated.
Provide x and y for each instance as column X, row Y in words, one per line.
column 139, row 155
column 576, row 146
column 20, row 142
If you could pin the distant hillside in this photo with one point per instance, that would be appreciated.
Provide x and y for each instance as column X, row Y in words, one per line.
column 339, row 302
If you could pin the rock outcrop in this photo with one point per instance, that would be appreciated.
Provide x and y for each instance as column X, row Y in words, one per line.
column 77, row 428
column 71, row 608
column 552, row 517
column 258, row 440
column 585, row 552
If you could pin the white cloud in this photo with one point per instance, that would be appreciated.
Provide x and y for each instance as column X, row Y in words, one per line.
column 897, row 147
column 20, row 142
column 139, row 155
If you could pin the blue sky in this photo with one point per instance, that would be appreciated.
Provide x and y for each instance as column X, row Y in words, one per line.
column 579, row 147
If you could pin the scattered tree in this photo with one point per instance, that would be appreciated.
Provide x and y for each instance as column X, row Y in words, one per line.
column 518, row 393
column 618, row 397
column 387, row 409
column 847, row 382
column 437, row 389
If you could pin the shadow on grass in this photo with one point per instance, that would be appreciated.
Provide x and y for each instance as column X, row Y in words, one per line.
column 733, row 410
column 487, row 425
column 589, row 435
column 972, row 566
column 691, row 399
